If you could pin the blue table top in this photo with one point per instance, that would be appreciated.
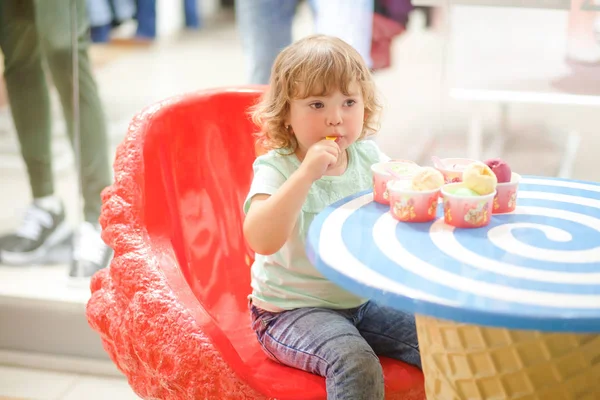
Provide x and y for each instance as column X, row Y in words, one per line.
column 536, row 268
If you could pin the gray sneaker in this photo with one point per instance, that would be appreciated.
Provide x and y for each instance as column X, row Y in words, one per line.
column 90, row 253
column 40, row 231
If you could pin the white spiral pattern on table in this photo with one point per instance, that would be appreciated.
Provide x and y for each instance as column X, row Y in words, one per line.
column 331, row 238
column 542, row 260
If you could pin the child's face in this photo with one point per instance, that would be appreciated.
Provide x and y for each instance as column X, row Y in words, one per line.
column 314, row 118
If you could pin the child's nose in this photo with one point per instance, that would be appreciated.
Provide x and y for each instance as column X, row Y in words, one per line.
column 334, row 118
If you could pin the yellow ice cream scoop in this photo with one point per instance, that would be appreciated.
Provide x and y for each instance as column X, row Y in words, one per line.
column 479, row 177
column 427, row 178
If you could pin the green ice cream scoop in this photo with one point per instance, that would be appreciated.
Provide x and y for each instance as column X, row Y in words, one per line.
column 465, row 192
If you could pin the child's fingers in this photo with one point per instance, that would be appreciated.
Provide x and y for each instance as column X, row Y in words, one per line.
column 332, row 161
column 332, row 146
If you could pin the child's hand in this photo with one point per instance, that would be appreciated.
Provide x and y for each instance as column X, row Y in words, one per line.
column 319, row 158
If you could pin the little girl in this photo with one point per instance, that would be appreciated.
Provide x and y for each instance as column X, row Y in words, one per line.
column 318, row 108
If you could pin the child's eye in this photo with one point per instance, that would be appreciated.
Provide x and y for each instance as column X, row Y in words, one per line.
column 350, row 103
column 317, row 105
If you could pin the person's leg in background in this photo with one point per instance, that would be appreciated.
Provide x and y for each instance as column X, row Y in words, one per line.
column 146, row 18
column 193, row 19
column 265, row 27
column 54, row 22
column 101, row 17
column 351, row 21
column 44, row 224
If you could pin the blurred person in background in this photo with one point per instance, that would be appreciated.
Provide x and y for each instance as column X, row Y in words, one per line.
column 104, row 15
column 265, row 27
column 33, row 31
column 146, row 16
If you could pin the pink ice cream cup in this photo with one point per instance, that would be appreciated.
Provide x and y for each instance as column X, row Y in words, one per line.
column 466, row 211
column 381, row 176
column 455, row 168
column 506, row 195
column 408, row 205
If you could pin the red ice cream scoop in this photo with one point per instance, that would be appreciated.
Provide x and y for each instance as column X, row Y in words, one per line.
column 500, row 168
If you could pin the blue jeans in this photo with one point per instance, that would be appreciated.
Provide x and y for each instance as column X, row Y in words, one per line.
column 146, row 16
column 340, row 345
column 266, row 28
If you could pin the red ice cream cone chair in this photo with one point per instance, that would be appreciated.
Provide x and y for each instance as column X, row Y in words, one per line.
column 172, row 309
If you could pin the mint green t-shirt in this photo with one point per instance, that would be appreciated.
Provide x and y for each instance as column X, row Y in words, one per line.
column 287, row 280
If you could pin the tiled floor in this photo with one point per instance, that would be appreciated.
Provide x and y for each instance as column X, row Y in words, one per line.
column 28, row 384
column 48, row 283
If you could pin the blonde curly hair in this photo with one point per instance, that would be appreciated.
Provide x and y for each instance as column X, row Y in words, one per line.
column 313, row 66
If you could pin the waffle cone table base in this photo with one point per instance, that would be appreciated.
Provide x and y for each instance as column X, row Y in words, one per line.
column 462, row 361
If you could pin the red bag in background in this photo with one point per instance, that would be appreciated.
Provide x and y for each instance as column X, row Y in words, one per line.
column 384, row 30
column 389, row 20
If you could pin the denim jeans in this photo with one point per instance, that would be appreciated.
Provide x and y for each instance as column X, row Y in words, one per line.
column 266, row 28
column 340, row 345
